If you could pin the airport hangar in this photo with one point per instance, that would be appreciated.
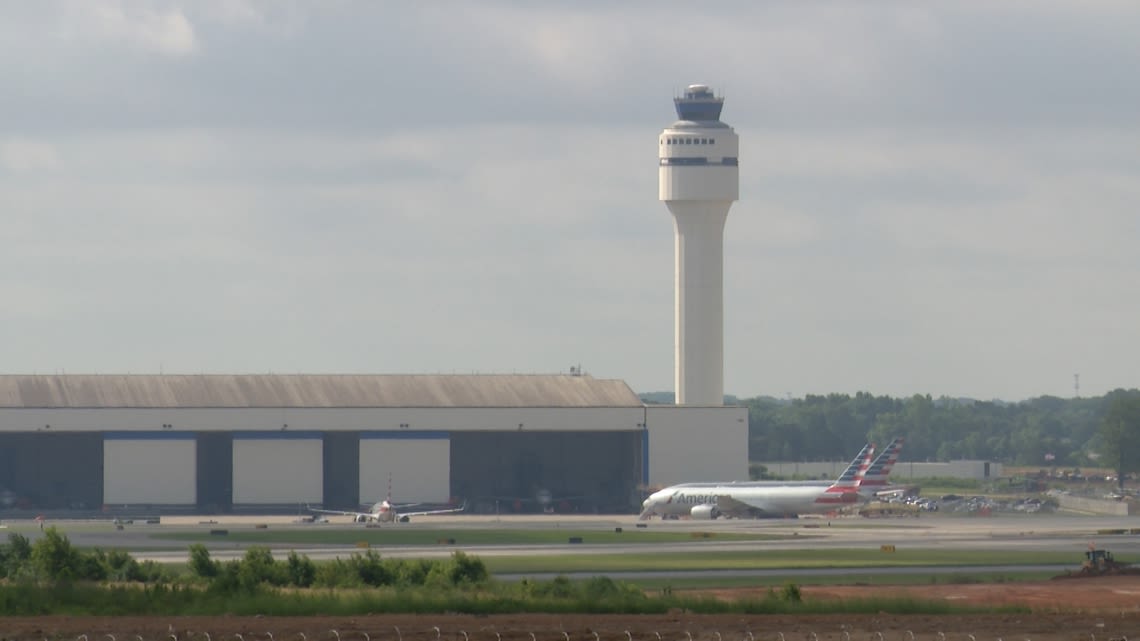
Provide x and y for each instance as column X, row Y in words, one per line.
column 247, row 443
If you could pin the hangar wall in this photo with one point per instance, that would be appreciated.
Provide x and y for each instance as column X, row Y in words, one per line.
column 341, row 451
column 46, row 470
column 500, row 471
column 418, row 467
column 696, row 444
column 215, row 473
column 226, row 457
column 278, row 468
column 149, row 468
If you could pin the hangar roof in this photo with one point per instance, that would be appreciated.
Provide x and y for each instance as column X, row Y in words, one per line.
column 312, row 390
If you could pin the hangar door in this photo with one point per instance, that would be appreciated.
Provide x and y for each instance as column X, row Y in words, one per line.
column 278, row 468
column 418, row 463
column 149, row 468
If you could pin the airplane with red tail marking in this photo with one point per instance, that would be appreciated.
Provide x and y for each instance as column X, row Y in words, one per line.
column 388, row 512
column 774, row 498
column 710, row 500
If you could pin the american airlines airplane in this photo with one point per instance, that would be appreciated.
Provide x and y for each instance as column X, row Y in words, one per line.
column 710, row 500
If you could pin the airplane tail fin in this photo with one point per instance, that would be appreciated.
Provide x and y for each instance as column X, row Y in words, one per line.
column 845, row 489
column 876, row 475
column 858, row 467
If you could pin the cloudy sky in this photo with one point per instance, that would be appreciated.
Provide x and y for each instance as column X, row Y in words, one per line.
column 938, row 197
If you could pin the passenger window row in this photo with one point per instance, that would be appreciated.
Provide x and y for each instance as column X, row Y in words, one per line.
column 688, row 141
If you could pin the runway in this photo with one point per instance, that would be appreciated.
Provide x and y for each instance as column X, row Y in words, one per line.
column 1068, row 533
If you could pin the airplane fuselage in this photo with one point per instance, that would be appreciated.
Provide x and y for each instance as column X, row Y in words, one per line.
column 703, row 501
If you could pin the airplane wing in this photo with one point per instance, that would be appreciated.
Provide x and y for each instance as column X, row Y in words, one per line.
column 453, row 510
column 728, row 505
column 354, row 515
column 754, row 507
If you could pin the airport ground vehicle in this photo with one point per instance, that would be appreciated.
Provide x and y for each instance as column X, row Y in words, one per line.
column 1099, row 561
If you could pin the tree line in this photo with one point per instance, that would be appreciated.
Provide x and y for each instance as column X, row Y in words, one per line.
column 1099, row 431
column 51, row 576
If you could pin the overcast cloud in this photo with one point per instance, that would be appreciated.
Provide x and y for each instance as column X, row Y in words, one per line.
column 936, row 197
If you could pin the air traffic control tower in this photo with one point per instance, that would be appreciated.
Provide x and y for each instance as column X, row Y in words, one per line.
column 699, row 180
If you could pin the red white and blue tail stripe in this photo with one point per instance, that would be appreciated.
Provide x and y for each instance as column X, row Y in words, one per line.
column 876, row 476
column 846, row 488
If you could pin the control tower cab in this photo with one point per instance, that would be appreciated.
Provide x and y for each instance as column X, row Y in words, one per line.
column 698, row 180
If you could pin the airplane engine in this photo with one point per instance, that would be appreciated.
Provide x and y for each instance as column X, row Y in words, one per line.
column 360, row 518
column 704, row 512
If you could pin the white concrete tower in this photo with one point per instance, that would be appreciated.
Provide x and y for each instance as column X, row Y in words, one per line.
column 699, row 180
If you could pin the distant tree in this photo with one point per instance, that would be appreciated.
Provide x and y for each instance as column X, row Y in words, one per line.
column 55, row 558
column 1047, row 428
column 1121, row 431
column 302, row 571
column 16, row 554
column 200, row 562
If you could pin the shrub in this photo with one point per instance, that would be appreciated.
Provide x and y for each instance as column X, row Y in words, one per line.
column 201, row 565
column 258, row 566
column 15, row 555
column 302, row 573
column 413, row 572
column 153, row 572
column 791, row 593
column 467, row 569
column 54, row 558
column 335, row 573
column 370, row 569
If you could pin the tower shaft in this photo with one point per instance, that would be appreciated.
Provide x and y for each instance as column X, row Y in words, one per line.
column 698, row 181
column 698, row 342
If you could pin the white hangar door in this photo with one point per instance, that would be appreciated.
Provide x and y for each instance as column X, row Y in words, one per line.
column 418, row 463
column 278, row 468
column 150, row 468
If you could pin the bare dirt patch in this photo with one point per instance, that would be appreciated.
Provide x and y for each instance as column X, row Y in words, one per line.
column 1107, row 593
column 676, row 627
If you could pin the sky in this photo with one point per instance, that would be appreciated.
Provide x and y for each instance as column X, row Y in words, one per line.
column 936, row 198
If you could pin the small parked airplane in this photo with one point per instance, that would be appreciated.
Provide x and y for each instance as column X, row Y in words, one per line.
column 387, row 512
